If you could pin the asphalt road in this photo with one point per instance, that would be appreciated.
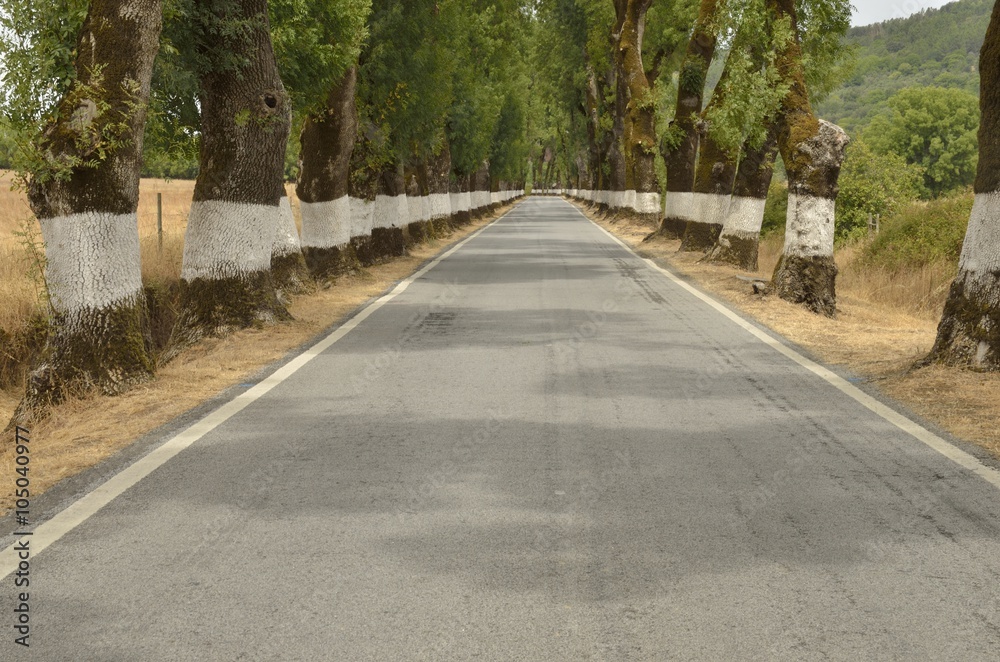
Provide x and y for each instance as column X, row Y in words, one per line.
column 542, row 449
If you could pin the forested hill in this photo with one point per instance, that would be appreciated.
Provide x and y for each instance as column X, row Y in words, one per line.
column 937, row 47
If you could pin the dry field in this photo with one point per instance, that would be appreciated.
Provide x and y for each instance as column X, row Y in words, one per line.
column 885, row 323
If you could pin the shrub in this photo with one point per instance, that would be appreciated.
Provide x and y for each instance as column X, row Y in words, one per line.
column 873, row 185
column 922, row 233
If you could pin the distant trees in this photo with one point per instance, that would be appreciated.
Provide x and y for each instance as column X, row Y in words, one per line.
column 873, row 185
column 933, row 128
column 935, row 48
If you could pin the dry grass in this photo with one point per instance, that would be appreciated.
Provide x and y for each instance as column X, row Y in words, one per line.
column 82, row 432
column 886, row 321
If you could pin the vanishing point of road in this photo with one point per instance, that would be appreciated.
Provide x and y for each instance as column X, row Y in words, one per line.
column 540, row 448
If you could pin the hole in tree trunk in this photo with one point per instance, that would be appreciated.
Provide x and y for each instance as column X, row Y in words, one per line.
column 270, row 100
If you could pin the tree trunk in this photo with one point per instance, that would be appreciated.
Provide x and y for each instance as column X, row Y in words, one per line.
column 390, row 215
column 461, row 200
column 969, row 332
column 618, row 176
column 713, row 185
column 419, row 228
column 593, row 132
column 680, row 145
column 288, row 265
column 439, row 185
column 641, row 144
column 481, row 190
column 98, row 337
column 362, row 188
column 328, row 139
column 739, row 240
column 813, row 151
column 226, row 279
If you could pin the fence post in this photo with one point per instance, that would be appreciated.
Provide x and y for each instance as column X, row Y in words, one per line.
column 159, row 222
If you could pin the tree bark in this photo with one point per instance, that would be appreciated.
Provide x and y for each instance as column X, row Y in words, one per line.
column 362, row 188
column 481, row 190
column 419, row 228
column 226, row 279
column 461, row 200
column 98, row 336
column 391, row 214
column 680, row 145
column 813, row 151
column 594, row 153
column 969, row 331
column 439, row 185
column 739, row 240
column 328, row 139
column 713, row 185
column 618, row 175
column 641, row 143
column 288, row 265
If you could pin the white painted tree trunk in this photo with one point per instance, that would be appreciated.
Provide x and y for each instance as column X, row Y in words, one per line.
column 99, row 333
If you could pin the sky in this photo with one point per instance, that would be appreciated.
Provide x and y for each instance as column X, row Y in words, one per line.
column 867, row 12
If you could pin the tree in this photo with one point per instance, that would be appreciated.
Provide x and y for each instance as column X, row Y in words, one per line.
column 873, row 184
column 328, row 139
column 226, row 280
column 316, row 44
column 739, row 237
column 969, row 332
column 753, row 90
column 680, row 143
column 640, row 136
column 81, row 170
column 715, row 175
column 812, row 151
column 934, row 128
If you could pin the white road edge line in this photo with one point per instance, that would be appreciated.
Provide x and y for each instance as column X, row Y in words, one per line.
column 953, row 453
column 84, row 507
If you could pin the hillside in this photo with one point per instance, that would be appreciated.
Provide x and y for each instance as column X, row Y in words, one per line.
column 938, row 47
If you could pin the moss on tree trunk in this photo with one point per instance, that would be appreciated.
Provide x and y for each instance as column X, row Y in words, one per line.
column 714, row 176
column 813, row 151
column 680, row 145
column 738, row 249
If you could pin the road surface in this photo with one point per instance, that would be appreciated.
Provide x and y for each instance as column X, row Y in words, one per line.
column 541, row 449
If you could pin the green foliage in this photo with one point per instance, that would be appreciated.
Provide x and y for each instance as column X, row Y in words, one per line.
column 691, row 78
column 873, row 184
column 934, row 128
column 752, row 88
column 37, row 48
column 776, row 208
column 921, row 233
column 827, row 60
column 170, row 144
column 315, row 42
column 8, row 146
column 405, row 78
column 935, row 47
